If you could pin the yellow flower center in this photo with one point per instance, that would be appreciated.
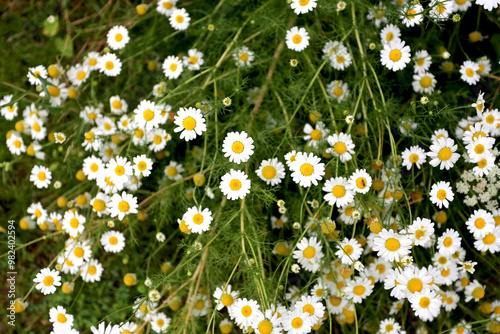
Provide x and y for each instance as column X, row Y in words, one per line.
column 235, row 184
column 119, row 170
column 54, row 91
column 480, row 223
column 390, row 36
column 479, row 149
column 348, row 250
column 415, row 285
column 303, row 2
column 109, row 65
column 117, row 104
column 92, row 270
column 269, row 172
column 316, row 134
column 338, row 91
column 244, row 56
column 444, row 153
column 167, row 5
column 359, row 290
column 193, row 60
column 411, row 13
column 306, row 169
column 413, row 158
column 118, row 37
column 172, row 171
column 297, row 39
column 395, row 55
column 469, row 72
column 227, row 299
column 266, row 326
column 424, row 302
column 340, row 148
column 246, row 311
column 113, row 240
column 48, row 281
column 42, row 176
column 99, row 205
column 189, row 123
column 142, row 166
column 448, row 242
column 338, row 191
column 309, row 252
column 238, row 147
column 441, row 194
column 392, row 244
column 426, row 82
column 489, row 239
column 340, row 59
column 198, row 219
column 173, row 67
column 478, row 293
column 78, row 252
column 297, row 322
column 179, row 19
column 123, row 206
column 81, row 75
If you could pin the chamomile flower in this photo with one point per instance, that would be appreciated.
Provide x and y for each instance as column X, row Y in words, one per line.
column 338, row 90
column 91, row 60
column 244, row 311
column 267, row 323
column 278, row 223
column 484, row 66
column 488, row 4
column 103, row 329
column 491, row 119
column 60, row 318
column 395, row 55
column 349, row 251
column 315, row 135
column 191, row 122
column 390, row 33
column 338, row 191
column 426, row 304
column 110, row 65
column 479, row 148
column 179, row 19
column 307, row 169
column 122, row 205
column 412, row 14
column 303, row 6
column 490, row 242
column 243, row 56
column 224, row 296
column 424, row 83
column 91, row 271
column 468, row 72
column 172, row 67
column 34, row 126
column 36, row 73
column 290, row 157
column 198, row 220
column 360, row 181
column 441, row 194
column 40, row 176
column 235, row 184
column 118, row 37
column 37, row 212
column 422, row 229
column 142, row 165
column 485, row 165
column 117, row 105
column 342, row 146
column 158, row 139
column 238, row 147
column 462, row 5
column 480, row 223
column 391, row 246
column 193, row 60
column 308, row 253
column 92, row 167
column 113, row 241
column 389, row 326
column 422, row 61
column 78, row 74
column 296, row 322
column 166, row 7
column 160, row 322
column 174, row 171
column 449, row 242
column 271, row 171
column 475, row 291
column 443, row 153
column 297, row 39
column 311, row 305
column 47, row 280
column 413, row 156
column 358, row 289
column 441, row 10
column 119, row 169
column 73, row 223
column 100, row 204
column 57, row 92
column 16, row 144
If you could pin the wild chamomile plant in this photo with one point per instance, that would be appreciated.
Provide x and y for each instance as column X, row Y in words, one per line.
column 266, row 166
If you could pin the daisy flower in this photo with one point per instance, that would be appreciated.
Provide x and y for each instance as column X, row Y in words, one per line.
column 422, row 229
column 491, row 119
column 309, row 253
column 443, row 153
column 47, row 280
column 224, row 297
column 390, row 33
column 103, row 329
column 73, row 223
column 122, row 205
column 238, row 147
column 424, row 83
column 476, row 131
column 488, row 4
column 490, row 242
column 193, row 60
column 267, row 323
column 110, row 65
column 462, row 5
column 395, row 55
column 422, row 61
column 100, row 204
column 480, row 223
column 118, row 37
column 142, row 165
column 113, row 241
column 191, row 122
column 474, row 291
column 389, row 326
column 426, row 304
column 78, row 74
column 166, row 7
column 172, row 67
column 57, row 92
column 479, row 148
column 244, row 311
column 297, row 39
column 290, row 157
column 307, row 169
column 479, row 104
column 243, row 56
column 34, row 126
column 35, row 73
column 91, row 271
column 92, row 167
column 341, row 60
column 311, row 305
column 468, row 72
column 179, row 19
column 158, row 139
column 342, row 146
column 338, row 90
column 391, row 246
column 303, row 6
column 315, row 135
column 338, row 192
column 235, row 184
column 485, row 165
column 278, row 223
column 412, row 280
column 271, row 171
column 37, row 212
column 296, row 322
column 441, row 10
column 40, row 176
column 349, row 251
column 119, row 169
column 360, row 181
column 16, row 144
column 412, row 15
column 441, row 194
column 198, row 220
column 60, row 318
column 413, row 155
column 91, row 60
column 358, row 289
column 484, row 66
column 449, row 242
column 174, row 171
column 117, row 105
